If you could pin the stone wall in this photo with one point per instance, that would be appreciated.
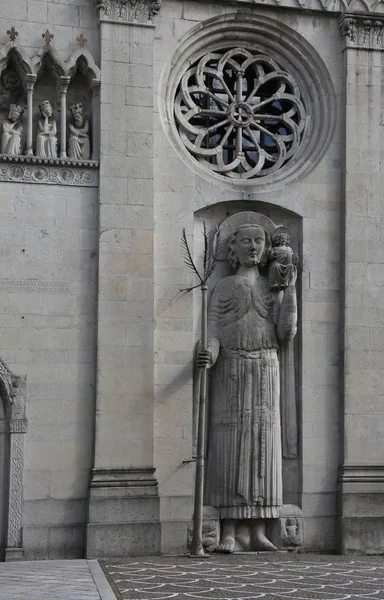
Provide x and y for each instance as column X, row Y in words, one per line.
column 48, row 264
column 316, row 198
column 91, row 303
column 48, row 332
column 65, row 19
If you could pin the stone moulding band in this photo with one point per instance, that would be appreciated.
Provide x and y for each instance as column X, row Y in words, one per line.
column 123, row 478
column 32, row 169
column 131, row 23
column 361, row 474
column 59, row 162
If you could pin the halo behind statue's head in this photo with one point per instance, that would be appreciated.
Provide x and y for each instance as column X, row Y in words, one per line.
column 240, row 220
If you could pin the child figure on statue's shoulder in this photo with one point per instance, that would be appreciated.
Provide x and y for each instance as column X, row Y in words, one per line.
column 282, row 259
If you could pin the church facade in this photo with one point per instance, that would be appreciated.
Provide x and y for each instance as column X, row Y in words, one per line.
column 124, row 122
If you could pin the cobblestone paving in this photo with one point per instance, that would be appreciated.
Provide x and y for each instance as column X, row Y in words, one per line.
column 54, row 579
column 249, row 577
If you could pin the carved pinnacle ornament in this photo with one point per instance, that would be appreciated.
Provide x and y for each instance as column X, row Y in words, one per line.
column 12, row 34
column 81, row 40
column 47, row 37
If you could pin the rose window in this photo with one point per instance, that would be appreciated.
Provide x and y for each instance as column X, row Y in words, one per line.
column 240, row 114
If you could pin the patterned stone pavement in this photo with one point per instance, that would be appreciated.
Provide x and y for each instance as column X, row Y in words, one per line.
column 248, row 577
column 54, row 579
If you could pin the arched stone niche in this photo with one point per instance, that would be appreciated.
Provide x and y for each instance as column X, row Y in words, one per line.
column 13, row 426
column 213, row 216
column 29, row 82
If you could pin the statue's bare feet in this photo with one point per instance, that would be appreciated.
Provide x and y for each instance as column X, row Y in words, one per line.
column 227, row 545
column 260, row 540
column 227, row 538
column 263, row 543
column 243, row 538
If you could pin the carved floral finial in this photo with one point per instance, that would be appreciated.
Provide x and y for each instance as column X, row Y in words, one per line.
column 81, row 40
column 12, row 34
column 132, row 11
column 47, row 37
column 348, row 28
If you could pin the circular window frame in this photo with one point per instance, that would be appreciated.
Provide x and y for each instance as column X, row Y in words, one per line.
column 293, row 53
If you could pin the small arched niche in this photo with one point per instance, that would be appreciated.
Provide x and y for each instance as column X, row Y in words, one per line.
column 212, row 216
column 47, row 88
column 80, row 92
column 59, row 100
column 13, row 71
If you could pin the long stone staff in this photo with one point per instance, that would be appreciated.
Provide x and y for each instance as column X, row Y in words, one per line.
column 209, row 263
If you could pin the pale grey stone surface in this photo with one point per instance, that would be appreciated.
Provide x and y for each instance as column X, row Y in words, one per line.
column 147, row 329
column 316, row 199
column 64, row 580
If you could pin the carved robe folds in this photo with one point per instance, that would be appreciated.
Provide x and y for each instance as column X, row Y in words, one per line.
column 12, row 131
column 11, row 138
column 46, row 140
column 250, row 331
column 79, row 145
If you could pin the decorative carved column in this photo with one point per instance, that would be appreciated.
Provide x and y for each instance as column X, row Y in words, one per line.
column 361, row 479
column 123, row 484
column 13, row 391
column 31, row 80
column 64, row 83
column 95, row 91
column 17, row 429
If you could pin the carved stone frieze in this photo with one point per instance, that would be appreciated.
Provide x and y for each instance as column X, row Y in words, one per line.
column 360, row 32
column 53, row 171
column 130, row 11
column 341, row 6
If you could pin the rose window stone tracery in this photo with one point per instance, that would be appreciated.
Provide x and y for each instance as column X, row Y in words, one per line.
column 240, row 114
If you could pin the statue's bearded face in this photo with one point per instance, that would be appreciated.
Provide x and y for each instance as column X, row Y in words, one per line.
column 249, row 246
column 79, row 119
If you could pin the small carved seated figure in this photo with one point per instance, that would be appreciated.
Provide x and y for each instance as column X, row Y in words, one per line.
column 12, row 131
column 79, row 145
column 287, row 532
column 46, row 140
column 291, row 536
column 282, row 260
